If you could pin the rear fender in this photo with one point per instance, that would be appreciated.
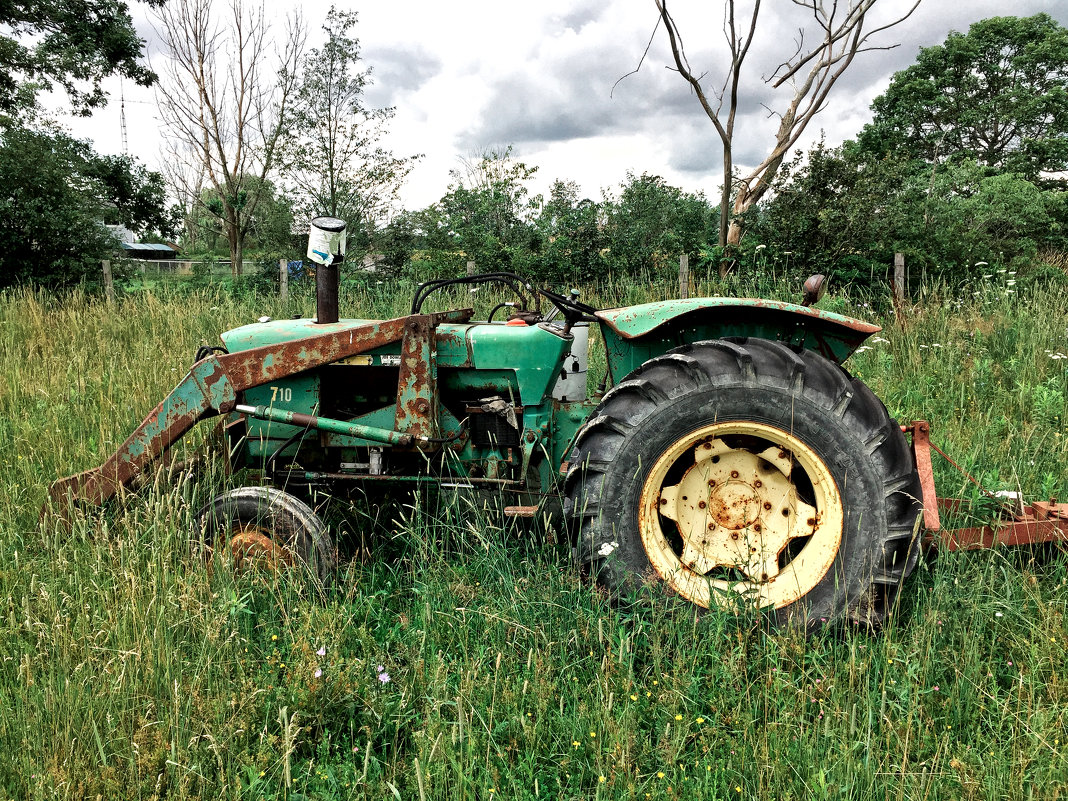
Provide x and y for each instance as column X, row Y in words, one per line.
column 635, row 334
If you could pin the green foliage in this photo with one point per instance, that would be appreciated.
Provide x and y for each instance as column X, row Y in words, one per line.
column 997, row 95
column 69, row 42
column 55, row 197
column 489, row 217
column 333, row 160
column 269, row 225
column 573, row 243
column 653, row 223
column 840, row 211
column 487, row 214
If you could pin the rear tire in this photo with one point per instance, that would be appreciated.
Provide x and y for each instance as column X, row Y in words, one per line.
column 747, row 474
column 265, row 527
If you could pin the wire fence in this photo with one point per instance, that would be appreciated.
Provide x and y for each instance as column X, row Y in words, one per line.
column 134, row 274
column 175, row 268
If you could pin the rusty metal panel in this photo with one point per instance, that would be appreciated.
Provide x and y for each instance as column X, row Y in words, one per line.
column 416, row 411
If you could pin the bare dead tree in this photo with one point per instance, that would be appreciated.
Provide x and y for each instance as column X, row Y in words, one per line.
column 225, row 102
column 811, row 72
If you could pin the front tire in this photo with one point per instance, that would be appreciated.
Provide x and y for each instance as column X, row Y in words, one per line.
column 747, row 474
column 267, row 528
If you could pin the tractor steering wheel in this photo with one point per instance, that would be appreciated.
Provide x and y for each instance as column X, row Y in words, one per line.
column 571, row 308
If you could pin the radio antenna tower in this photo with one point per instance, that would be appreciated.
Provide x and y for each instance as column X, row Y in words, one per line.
column 122, row 120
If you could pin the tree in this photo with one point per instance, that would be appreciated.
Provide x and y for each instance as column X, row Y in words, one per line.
column 997, row 95
column 810, row 72
column 653, row 223
column 488, row 211
column 69, row 42
column 840, row 211
column 270, row 225
column 572, row 237
column 226, row 103
column 334, row 161
column 56, row 195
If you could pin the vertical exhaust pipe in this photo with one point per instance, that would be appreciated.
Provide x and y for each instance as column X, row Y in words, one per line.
column 326, row 248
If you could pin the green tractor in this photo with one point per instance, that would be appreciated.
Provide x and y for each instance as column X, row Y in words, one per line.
column 727, row 454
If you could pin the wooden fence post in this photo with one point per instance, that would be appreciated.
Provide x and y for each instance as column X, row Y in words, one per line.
column 684, row 275
column 109, row 282
column 283, row 278
column 470, row 268
column 899, row 279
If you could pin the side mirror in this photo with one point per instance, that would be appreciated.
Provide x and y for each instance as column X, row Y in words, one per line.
column 814, row 289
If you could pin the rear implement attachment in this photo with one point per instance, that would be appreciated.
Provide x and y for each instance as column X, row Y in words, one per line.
column 1017, row 523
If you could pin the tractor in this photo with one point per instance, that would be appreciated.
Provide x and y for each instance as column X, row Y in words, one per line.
column 728, row 454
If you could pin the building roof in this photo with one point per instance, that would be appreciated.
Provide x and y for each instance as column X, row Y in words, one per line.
column 148, row 247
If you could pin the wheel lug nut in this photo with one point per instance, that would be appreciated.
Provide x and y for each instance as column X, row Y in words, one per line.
column 711, row 482
column 701, row 505
column 767, row 505
column 734, row 474
column 758, row 483
column 757, row 527
column 734, row 535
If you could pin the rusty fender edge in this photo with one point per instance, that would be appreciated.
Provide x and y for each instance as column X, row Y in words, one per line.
column 211, row 388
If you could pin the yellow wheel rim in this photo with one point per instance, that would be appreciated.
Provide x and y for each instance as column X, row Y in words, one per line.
column 740, row 514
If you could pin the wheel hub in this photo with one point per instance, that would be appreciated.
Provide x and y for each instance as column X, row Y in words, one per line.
column 737, row 511
column 251, row 546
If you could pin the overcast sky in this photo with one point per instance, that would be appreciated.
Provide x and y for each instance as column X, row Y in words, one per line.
column 548, row 77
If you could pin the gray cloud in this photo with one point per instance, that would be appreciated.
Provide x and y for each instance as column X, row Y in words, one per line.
column 398, row 70
column 581, row 14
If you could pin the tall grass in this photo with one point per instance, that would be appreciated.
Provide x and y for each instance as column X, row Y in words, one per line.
column 460, row 658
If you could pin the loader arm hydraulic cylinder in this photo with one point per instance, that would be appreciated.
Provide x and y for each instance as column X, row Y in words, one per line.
column 383, row 435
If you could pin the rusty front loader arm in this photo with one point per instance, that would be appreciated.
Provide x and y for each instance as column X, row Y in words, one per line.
column 211, row 388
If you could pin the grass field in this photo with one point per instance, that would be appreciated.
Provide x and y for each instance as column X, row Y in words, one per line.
column 464, row 661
